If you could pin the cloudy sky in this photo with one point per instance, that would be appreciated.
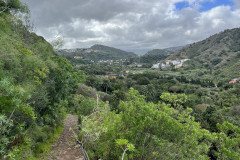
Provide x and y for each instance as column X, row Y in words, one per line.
column 133, row 25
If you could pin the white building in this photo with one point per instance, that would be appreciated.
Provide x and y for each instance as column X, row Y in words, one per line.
column 156, row 66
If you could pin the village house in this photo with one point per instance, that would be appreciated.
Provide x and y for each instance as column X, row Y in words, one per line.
column 78, row 57
column 178, row 66
column 156, row 66
column 235, row 80
column 175, row 63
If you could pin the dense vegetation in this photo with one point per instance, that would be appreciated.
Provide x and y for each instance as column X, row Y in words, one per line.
column 184, row 113
column 131, row 122
column 35, row 86
column 155, row 131
column 135, row 114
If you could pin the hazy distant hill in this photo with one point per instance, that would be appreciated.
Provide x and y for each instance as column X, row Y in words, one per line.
column 95, row 53
column 156, row 55
column 166, row 51
column 112, row 52
column 219, row 53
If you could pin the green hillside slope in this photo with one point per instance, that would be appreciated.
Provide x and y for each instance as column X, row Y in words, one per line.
column 166, row 51
column 219, row 53
column 35, row 86
column 95, row 53
column 156, row 55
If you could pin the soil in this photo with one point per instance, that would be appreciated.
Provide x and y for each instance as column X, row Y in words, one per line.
column 66, row 147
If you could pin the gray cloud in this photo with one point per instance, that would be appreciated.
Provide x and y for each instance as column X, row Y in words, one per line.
column 57, row 11
column 236, row 3
column 129, row 24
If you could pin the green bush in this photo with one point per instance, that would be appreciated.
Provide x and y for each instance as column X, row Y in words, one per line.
column 6, row 137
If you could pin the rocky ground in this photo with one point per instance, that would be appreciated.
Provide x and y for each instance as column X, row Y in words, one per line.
column 66, row 148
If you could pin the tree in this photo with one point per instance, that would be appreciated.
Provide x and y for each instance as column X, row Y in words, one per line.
column 57, row 43
column 4, row 5
column 6, row 137
column 176, row 100
column 125, row 145
column 13, row 5
column 106, row 85
column 143, row 81
column 13, row 113
column 227, row 141
column 211, row 117
column 157, row 131
column 94, row 82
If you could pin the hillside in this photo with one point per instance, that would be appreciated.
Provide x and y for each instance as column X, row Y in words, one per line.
column 156, row 55
column 166, row 51
column 95, row 53
column 35, row 86
column 158, row 52
column 219, row 53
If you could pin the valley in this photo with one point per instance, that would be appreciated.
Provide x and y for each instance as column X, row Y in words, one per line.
column 105, row 103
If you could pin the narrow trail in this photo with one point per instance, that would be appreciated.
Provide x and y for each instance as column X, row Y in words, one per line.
column 66, row 148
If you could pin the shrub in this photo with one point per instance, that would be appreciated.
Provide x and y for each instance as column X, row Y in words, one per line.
column 235, row 110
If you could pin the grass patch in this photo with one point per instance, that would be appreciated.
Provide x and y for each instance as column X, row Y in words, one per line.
column 44, row 148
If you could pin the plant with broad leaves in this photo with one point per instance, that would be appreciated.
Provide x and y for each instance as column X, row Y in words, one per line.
column 6, row 137
column 227, row 142
column 125, row 145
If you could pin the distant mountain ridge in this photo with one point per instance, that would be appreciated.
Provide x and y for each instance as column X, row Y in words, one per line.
column 164, row 51
column 219, row 53
column 112, row 50
column 95, row 53
column 156, row 55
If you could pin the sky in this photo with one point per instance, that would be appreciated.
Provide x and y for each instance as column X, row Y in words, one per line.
column 132, row 25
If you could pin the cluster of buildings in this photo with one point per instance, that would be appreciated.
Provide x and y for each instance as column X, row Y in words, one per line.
column 168, row 63
column 135, row 65
column 122, row 74
column 235, row 80
column 78, row 57
column 113, row 61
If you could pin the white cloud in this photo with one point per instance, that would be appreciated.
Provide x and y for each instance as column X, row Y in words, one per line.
column 129, row 24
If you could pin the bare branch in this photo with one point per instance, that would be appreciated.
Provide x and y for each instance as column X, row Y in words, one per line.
column 124, row 153
column 86, row 157
column 6, row 6
column 12, row 113
column 4, row 9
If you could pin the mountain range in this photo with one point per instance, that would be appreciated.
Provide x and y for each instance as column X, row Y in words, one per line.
column 100, row 52
column 95, row 53
column 219, row 54
column 156, row 55
column 166, row 51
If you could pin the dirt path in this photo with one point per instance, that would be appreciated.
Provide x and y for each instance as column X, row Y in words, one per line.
column 66, row 148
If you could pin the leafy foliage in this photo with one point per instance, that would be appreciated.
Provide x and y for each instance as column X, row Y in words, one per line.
column 145, row 130
column 153, row 130
column 6, row 137
column 35, row 87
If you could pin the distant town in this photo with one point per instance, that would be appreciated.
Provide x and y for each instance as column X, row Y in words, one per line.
column 169, row 63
